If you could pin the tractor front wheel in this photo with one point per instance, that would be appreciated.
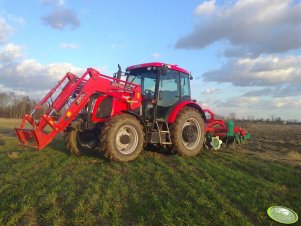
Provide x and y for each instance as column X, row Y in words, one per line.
column 122, row 138
column 78, row 141
column 187, row 132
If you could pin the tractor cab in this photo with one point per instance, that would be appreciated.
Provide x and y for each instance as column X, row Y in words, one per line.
column 163, row 87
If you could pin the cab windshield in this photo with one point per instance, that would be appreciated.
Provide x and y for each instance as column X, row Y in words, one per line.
column 146, row 79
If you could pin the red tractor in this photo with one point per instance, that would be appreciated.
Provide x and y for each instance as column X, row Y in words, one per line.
column 152, row 105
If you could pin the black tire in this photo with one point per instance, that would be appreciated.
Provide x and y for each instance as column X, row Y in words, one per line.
column 78, row 141
column 187, row 132
column 122, row 138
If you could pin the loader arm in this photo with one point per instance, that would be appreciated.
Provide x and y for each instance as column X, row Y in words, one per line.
column 75, row 94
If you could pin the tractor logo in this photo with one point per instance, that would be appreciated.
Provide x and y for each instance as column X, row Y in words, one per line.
column 125, row 97
column 117, row 85
column 121, row 86
column 80, row 98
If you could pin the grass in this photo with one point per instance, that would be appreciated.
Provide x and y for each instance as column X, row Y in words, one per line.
column 228, row 187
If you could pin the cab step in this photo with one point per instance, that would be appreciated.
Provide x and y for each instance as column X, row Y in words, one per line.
column 163, row 129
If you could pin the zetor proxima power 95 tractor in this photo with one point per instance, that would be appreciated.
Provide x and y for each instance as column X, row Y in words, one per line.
column 119, row 117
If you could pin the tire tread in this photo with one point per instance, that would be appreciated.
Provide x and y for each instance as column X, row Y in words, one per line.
column 107, row 138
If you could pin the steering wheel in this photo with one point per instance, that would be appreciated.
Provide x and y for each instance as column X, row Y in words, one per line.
column 149, row 93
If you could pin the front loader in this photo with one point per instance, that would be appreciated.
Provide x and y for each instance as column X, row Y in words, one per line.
column 119, row 117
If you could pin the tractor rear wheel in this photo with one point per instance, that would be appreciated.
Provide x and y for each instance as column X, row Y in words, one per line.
column 122, row 138
column 187, row 132
column 78, row 141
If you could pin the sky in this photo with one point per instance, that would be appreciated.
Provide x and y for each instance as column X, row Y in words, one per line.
column 244, row 55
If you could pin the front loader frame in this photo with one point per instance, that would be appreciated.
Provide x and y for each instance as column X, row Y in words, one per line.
column 75, row 94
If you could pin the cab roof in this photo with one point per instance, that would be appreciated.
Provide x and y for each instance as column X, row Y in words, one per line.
column 157, row 64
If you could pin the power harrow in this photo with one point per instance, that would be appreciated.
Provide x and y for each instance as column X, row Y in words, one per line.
column 218, row 133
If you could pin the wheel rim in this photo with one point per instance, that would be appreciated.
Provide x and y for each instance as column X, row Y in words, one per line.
column 192, row 143
column 127, row 139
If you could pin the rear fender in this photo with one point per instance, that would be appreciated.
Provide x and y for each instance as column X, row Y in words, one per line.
column 173, row 115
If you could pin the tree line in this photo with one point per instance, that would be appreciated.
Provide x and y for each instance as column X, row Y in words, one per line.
column 272, row 120
column 15, row 106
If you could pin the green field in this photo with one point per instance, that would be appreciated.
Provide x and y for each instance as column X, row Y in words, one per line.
column 225, row 187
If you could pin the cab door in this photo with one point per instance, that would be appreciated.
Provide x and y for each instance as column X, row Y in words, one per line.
column 148, row 85
column 169, row 93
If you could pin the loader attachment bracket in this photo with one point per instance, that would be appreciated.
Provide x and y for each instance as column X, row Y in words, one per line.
column 27, row 137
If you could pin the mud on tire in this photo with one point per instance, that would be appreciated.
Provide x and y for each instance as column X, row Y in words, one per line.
column 78, row 141
column 187, row 132
column 122, row 138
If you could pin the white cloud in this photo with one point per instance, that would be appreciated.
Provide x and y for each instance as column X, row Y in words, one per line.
column 259, row 87
column 243, row 102
column 27, row 69
column 69, row 45
column 252, row 27
column 257, row 78
column 17, row 19
column 4, row 89
column 210, row 91
column 57, row 70
column 55, row 2
column 156, row 55
column 205, row 8
column 5, row 30
column 286, row 102
column 264, row 71
column 10, row 52
column 62, row 17
column 29, row 76
column 254, row 106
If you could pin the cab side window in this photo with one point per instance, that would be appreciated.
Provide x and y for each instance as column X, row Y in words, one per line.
column 184, row 83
